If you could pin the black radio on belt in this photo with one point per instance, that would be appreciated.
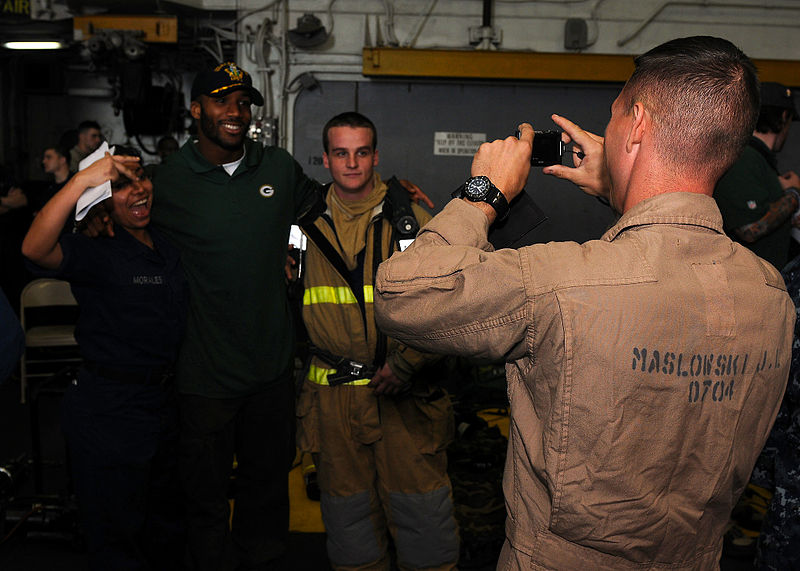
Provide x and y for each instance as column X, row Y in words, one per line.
column 347, row 371
column 397, row 208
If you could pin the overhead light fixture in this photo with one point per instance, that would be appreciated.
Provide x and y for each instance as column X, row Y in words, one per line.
column 31, row 45
column 35, row 35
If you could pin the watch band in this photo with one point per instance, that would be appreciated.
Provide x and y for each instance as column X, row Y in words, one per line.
column 493, row 198
column 499, row 203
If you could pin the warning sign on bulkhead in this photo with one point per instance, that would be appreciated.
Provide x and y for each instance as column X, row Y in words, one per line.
column 457, row 144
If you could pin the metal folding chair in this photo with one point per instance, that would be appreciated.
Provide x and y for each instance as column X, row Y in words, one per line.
column 49, row 348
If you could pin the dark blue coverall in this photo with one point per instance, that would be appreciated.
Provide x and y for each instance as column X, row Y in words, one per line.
column 120, row 415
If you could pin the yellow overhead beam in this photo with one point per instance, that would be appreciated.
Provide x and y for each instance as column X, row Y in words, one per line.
column 480, row 64
column 783, row 71
column 157, row 29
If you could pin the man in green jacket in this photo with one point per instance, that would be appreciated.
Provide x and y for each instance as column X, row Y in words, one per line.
column 756, row 200
column 228, row 203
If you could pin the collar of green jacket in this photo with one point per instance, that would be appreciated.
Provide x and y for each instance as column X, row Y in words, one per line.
column 253, row 153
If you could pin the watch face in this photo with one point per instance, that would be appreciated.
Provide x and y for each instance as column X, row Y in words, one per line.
column 477, row 188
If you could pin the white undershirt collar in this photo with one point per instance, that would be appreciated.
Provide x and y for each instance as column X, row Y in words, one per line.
column 230, row 168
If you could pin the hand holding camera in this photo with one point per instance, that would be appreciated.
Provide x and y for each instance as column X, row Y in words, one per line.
column 589, row 173
column 506, row 162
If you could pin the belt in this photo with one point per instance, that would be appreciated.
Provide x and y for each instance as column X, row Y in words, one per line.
column 144, row 376
column 345, row 371
column 330, row 378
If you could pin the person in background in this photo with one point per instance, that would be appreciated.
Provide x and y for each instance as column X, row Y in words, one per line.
column 165, row 147
column 777, row 471
column 756, row 200
column 13, row 199
column 15, row 219
column 89, row 138
column 55, row 162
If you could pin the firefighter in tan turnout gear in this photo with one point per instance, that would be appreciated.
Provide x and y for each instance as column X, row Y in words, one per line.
column 376, row 430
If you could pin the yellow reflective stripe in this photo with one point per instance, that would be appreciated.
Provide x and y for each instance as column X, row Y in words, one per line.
column 332, row 294
column 328, row 294
column 320, row 376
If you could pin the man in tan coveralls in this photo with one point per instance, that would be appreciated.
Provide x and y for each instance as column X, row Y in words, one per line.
column 644, row 369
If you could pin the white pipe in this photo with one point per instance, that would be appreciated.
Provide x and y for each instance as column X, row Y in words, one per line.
column 702, row 4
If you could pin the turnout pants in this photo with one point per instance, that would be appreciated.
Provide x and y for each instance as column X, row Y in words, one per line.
column 382, row 470
column 259, row 431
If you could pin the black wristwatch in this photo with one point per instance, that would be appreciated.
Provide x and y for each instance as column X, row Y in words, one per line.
column 481, row 189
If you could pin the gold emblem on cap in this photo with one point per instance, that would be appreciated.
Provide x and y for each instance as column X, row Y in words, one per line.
column 232, row 70
column 788, row 92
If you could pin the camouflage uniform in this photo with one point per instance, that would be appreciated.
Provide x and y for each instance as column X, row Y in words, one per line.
column 779, row 465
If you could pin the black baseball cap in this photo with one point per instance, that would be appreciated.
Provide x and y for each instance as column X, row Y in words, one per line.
column 224, row 78
column 778, row 95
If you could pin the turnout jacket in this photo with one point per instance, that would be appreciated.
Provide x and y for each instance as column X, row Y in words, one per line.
column 644, row 371
column 331, row 311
